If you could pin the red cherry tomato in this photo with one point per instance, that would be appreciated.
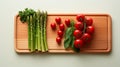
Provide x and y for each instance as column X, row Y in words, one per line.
column 53, row 26
column 86, row 37
column 78, row 43
column 90, row 30
column 67, row 22
column 58, row 40
column 58, row 20
column 77, row 34
column 62, row 27
column 80, row 17
column 79, row 25
column 60, row 33
column 89, row 21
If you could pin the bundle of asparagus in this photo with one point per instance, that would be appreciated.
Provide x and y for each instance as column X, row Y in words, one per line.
column 37, row 21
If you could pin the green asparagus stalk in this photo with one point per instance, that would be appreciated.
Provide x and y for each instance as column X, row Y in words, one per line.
column 42, row 39
column 29, row 34
column 43, row 30
column 38, row 30
column 45, row 38
column 36, row 34
column 34, row 31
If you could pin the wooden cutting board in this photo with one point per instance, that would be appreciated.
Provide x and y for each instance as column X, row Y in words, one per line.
column 101, row 42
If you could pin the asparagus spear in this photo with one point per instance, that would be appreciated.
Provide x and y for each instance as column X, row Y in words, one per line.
column 42, row 40
column 29, row 34
column 34, row 31
column 45, row 38
column 38, row 30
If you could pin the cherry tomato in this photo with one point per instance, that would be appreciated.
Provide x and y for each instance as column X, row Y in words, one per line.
column 90, row 30
column 58, row 20
column 86, row 37
column 80, row 17
column 60, row 33
column 89, row 21
column 58, row 40
column 78, row 43
column 79, row 25
column 53, row 26
column 62, row 27
column 77, row 34
column 67, row 22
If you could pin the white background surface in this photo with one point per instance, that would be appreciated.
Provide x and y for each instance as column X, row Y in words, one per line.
column 9, row 58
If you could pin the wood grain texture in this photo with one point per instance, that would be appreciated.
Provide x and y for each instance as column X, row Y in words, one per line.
column 101, row 40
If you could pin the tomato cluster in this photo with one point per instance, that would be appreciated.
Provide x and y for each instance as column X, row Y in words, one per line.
column 60, row 32
column 82, row 33
column 83, row 30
